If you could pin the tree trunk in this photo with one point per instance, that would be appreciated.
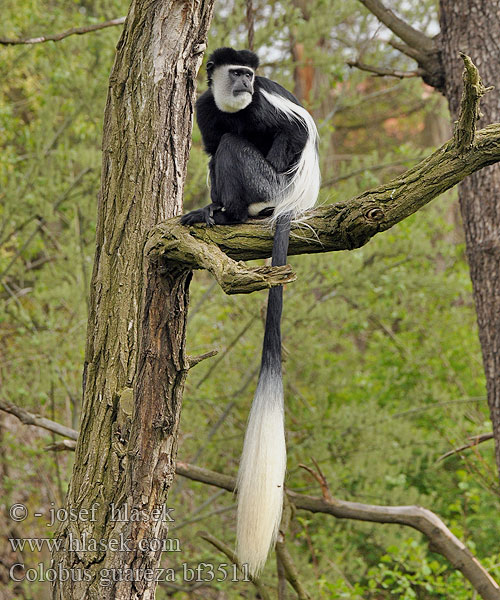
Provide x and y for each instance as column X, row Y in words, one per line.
column 135, row 363
column 473, row 27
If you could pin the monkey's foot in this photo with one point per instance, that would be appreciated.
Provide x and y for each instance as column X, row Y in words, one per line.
column 201, row 215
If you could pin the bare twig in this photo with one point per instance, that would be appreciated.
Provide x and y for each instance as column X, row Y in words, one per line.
column 226, row 351
column 195, row 360
column 383, row 72
column 60, row 36
column 264, row 594
column 361, row 170
column 320, row 478
column 474, row 441
column 23, row 247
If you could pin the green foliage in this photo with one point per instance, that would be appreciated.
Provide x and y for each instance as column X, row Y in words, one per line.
column 409, row 573
column 383, row 371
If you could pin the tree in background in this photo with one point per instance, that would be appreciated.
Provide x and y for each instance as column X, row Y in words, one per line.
column 472, row 28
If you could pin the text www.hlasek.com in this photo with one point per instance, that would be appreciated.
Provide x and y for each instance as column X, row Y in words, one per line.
column 84, row 543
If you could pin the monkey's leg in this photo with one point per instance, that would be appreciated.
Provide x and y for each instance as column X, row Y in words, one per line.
column 246, row 182
column 243, row 183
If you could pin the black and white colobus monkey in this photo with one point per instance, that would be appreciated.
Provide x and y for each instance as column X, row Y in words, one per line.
column 264, row 160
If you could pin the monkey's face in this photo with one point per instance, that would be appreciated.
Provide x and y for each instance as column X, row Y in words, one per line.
column 232, row 87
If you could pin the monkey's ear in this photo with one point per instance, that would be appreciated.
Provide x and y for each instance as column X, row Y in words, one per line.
column 210, row 65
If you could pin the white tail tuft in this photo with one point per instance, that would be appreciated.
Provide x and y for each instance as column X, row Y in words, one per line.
column 301, row 193
column 261, row 475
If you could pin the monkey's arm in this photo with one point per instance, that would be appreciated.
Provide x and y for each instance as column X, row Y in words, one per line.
column 211, row 127
column 286, row 148
column 279, row 154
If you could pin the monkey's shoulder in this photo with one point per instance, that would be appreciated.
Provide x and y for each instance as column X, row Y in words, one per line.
column 271, row 87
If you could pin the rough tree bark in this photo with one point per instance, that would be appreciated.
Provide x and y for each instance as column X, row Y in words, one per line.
column 473, row 27
column 135, row 362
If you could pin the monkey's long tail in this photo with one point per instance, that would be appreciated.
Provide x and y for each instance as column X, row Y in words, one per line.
column 263, row 461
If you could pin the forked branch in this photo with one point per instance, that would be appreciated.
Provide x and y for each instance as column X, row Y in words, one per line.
column 411, row 36
column 416, row 44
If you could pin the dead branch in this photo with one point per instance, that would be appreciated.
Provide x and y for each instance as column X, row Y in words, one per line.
column 383, row 72
column 474, row 440
column 29, row 418
column 182, row 245
column 405, row 49
column 60, row 36
column 195, row 360
column 284, row 558
column 411, row 36
column 440, row 538
column 417, row 45
column 474, row 90
column 319, row 476
column 291, row 573
column 343, row 226
column 396, row 163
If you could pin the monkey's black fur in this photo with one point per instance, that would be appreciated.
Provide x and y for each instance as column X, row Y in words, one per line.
column 251, row 150
column 257, row 149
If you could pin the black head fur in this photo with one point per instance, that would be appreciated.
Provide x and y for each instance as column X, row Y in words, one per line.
column 229, row 56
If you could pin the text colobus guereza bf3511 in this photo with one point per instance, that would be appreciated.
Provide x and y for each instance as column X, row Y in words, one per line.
column 263, row 160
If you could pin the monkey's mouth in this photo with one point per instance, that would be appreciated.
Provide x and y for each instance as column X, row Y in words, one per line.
column 240, row 92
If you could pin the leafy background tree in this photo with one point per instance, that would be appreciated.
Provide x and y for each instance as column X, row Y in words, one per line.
column 383, row 370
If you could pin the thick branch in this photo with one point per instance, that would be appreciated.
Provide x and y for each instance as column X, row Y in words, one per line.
column 407, row 50
column 342, row 226
column 414, row 38
column 417, row 45
column 441, row 539
column 182, row 245
column 60, row 36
